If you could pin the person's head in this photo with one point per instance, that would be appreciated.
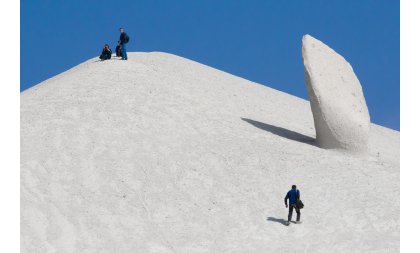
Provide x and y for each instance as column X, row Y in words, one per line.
column 106, row 46
column 294, row 187
column 121, row 30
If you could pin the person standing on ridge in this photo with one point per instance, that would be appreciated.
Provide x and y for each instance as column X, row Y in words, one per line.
column 293, row 195
column 124, row 40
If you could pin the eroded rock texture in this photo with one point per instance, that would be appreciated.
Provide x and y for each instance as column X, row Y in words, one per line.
column 339, row 108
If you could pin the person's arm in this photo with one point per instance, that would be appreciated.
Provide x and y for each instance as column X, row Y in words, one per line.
column 298, row 195
column 285, row 199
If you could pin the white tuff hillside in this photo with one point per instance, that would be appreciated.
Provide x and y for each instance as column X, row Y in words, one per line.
column 163, row 154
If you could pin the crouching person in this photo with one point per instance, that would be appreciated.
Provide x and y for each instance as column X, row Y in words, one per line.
column 106, row 53
column 118, row 49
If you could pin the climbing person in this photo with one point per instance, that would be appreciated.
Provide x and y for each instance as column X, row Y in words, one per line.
column 106, row 53
column 118, row 49
column 124, row 40
column 293, row 195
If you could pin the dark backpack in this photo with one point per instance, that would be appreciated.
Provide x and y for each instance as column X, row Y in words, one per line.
column 299, row 204
column 127, row 38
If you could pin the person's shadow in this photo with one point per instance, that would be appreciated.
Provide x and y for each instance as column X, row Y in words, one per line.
column 282, row 221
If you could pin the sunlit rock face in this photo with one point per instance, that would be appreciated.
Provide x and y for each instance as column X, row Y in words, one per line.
column 339, row 108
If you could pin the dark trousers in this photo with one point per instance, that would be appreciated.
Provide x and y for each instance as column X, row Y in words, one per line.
column 105, row 56
column 291, row 212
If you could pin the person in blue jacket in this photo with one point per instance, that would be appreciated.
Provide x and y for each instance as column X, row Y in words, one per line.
column 293, row 196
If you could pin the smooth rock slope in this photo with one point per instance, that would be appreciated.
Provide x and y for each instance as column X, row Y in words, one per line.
column 339, row 108
column 163, row 154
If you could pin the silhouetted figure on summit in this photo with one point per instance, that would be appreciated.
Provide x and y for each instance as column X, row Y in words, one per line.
column 106, row 53
column 294, row 202
column 124, row 40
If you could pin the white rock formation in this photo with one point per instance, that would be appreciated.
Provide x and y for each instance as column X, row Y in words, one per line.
column 338, row 106
column 151, row 155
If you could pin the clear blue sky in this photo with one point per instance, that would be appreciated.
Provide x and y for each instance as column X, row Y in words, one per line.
column 257, row 40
